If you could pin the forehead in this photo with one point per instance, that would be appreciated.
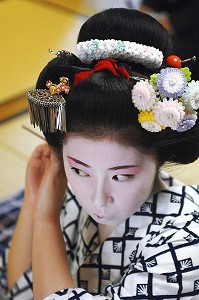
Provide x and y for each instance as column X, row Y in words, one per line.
column 103, row 151
column 78, row 143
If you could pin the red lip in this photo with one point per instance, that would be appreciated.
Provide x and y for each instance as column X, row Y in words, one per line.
column 102, row 217
column 99, row 216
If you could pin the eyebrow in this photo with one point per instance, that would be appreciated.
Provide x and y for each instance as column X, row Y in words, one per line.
column 79, row 162
column 113, row 168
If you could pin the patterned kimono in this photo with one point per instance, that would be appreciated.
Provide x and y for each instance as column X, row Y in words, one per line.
column 154, row 254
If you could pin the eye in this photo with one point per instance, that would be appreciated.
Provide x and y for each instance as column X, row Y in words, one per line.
column 79, row 172
column 122, row 177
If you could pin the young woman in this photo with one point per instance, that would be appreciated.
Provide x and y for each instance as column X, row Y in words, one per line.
column 112, row 117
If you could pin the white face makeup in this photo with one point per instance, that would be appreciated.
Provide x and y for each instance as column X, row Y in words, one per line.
column 109, row 181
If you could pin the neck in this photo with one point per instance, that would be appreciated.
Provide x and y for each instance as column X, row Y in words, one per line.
column 159, row 185
column 105, row 231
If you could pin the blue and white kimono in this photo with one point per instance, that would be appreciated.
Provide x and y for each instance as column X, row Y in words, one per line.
column 154, row 254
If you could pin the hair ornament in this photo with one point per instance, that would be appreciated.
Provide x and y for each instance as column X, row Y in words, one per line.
column 167, row 100
column 47, row 107
column 96, row 49
column 143, row 95
column 59, row 53
column 108, row 64
column 63, row 86
column 148, row 122
column 175, row 61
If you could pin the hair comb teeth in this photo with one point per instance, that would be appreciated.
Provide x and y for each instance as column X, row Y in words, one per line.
column 47, row 111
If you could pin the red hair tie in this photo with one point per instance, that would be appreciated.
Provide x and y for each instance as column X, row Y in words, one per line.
column 108, row 64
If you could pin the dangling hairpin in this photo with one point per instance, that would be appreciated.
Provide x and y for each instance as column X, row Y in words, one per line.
column 47, row 107
column 59, row 53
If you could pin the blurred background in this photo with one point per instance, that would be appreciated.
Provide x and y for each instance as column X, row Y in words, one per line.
column 28, row 29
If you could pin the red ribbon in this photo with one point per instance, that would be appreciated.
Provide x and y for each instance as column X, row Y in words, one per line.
column 108, row 64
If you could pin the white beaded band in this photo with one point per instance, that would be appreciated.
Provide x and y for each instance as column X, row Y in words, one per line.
column 148, row 56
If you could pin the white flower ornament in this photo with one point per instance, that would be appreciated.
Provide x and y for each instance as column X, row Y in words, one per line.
column 169, row 113
column 166, row 101
column 143, row 95
column 191, row 94
column 151, row 126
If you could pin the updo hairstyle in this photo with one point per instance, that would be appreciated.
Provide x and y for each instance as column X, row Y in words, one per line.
column 100, row 106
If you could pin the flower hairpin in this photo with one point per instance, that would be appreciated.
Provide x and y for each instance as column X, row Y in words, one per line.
column 168, row 100
column 63, row 86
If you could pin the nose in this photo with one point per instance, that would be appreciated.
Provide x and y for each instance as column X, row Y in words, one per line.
column 101, row 194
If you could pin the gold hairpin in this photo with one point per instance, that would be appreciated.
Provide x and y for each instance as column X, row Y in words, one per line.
column 63, row 86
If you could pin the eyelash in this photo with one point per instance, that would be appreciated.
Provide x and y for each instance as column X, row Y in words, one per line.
column 78, row 172
column 123, row 177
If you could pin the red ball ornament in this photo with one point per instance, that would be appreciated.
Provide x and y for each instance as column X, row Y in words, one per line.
column 174, row 61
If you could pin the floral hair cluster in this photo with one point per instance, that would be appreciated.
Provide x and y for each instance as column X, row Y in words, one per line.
column 170, row 99
column 95, row 49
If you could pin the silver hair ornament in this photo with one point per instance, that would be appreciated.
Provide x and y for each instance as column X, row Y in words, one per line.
column 47, row 111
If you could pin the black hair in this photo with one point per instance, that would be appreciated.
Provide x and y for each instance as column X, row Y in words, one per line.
column 127, row 25
column 100, row 106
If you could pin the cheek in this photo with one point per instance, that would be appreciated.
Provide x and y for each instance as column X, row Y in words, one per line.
column 131, row 197
column 79, row 187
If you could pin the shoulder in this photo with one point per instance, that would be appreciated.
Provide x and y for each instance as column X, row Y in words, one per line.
column 172, row 252
column 177, row 199
column 174, row 232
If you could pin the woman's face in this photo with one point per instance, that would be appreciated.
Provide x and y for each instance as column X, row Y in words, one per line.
column 110, row 181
